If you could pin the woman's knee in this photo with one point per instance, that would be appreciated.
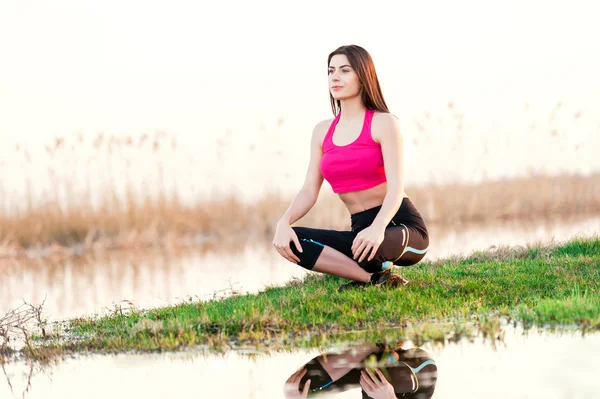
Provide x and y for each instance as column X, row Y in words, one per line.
column 310, row 249
column 414, row 252
column 300, row 231
column 394, row 244
column 401, row 246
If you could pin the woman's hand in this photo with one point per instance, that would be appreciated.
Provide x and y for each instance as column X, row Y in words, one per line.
column 291, row 389
column 367, row 242
column 376, row 386
column 284, row 234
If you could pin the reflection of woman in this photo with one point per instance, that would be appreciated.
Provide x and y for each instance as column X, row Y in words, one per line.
column 360, row 153
column 381, row 373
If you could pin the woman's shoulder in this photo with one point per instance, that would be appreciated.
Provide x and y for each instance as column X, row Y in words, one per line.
column 321, row 128
column 384, row 118
column 324, row 124
column 384, row 124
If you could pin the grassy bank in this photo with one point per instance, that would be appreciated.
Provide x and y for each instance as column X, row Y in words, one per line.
column 545, row 286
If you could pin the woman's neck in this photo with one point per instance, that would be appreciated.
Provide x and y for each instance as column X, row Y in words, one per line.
column 352, row 109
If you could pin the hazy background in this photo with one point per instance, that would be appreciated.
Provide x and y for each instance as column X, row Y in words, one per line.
column 202, row 98
column 483, row 90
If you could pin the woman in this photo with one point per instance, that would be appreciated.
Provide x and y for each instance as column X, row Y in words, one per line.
column 359, row 152
column 381, row 373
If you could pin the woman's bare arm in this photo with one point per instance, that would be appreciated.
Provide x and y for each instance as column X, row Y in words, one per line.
column 390, row 138
column 309, row 193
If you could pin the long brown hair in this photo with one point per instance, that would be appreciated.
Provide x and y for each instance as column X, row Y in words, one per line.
column 361, row 61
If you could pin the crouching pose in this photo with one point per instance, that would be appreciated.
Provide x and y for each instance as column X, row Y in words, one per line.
column 360, row 153
column 380, row 371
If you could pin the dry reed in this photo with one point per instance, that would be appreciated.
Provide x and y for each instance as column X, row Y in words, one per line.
column 160, row 223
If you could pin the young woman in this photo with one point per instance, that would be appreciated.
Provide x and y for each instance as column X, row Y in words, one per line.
column 380, row 371
column 359, row 152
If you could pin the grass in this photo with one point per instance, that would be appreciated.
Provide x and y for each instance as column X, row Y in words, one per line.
column 579, row 308
column 550, row 286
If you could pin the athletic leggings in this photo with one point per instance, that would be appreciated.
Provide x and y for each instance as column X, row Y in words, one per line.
column 405, row 242
column 403, row 370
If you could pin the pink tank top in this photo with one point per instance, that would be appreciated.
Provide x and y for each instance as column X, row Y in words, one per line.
column 356, row 166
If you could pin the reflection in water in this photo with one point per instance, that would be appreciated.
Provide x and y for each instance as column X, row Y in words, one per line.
column 378, row 370
column 81, row 286
column 534, row 365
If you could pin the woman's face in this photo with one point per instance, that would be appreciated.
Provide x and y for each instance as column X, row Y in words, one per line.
column 343, row 80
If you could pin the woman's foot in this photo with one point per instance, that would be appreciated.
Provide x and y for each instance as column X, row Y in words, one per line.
column 378, row 279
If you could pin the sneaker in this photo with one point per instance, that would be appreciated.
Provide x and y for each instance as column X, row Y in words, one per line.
column 381, row 277
column 377, row 279
column 396, row 280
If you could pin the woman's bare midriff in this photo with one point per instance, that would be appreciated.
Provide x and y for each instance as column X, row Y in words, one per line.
column 358, row 201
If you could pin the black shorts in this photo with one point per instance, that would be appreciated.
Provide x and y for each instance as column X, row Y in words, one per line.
column 405, row 242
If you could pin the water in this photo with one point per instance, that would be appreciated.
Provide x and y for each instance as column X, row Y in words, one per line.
column 534, row 365
column 523, row 366
column 82, row 286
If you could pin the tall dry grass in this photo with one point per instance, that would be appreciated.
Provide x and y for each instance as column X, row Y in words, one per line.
column 156, row 223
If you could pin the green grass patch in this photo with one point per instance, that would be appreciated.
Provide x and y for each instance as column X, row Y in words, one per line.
column 582, row 309
column 556, row 285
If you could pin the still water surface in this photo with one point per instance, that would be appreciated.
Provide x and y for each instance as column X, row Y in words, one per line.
column 532, row 365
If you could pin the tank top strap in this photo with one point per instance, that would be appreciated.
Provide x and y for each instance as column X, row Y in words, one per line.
column 365, row 134
column 327, row 141
column 369, row 118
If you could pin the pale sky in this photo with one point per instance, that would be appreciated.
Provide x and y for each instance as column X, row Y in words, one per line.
column 196, row 69
column 126, row 66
